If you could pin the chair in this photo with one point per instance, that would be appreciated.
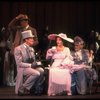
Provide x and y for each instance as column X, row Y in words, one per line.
column 97, row 83
column 92, row 79
column 92, row 75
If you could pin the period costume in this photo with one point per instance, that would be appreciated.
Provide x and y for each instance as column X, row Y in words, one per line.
column 26, row 75
column 61, row 68
column 15, row 38
column 81, row 56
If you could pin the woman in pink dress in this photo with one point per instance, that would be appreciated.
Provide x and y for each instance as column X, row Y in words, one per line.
column 62, row 66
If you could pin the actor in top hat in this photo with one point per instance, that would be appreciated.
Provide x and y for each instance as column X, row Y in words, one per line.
column 27, row 72
column 15, row 27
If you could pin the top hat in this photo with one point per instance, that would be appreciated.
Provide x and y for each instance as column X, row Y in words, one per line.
column 27, row 34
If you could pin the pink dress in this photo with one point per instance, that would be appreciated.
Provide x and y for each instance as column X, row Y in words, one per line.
column 59, row 77
column 60, row 71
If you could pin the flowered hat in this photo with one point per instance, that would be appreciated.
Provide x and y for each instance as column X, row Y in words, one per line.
column 78, row 40
column 61, row 35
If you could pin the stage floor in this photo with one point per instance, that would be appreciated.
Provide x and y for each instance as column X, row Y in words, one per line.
column 9, row 93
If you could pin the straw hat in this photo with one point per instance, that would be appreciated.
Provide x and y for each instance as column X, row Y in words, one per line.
column 23, row 17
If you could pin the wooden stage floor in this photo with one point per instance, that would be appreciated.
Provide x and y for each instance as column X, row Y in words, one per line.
column 9, row 93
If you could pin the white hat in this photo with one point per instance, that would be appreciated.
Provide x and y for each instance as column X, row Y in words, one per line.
column 61, row 35
column 27, row 34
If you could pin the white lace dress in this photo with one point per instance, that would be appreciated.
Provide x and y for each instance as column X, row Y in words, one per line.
column 60, row 71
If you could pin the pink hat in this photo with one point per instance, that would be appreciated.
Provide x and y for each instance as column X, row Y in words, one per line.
column 61, row 35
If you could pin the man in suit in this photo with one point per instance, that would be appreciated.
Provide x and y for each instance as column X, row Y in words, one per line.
column 19, row 24
column 15, row 27
column 27, row 69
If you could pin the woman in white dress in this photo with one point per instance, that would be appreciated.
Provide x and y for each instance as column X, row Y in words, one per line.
column 62, row 66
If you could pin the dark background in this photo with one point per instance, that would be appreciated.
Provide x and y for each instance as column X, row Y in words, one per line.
column 70, row 17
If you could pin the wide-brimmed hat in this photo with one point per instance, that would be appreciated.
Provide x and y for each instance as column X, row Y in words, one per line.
column 78, row 40
column 27, row 34
column 61, row 35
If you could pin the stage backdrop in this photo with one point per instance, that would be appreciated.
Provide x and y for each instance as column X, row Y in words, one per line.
column 71, row 17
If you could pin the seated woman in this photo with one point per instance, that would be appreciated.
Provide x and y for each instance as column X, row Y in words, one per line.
column 81, row 55
column 62, row 65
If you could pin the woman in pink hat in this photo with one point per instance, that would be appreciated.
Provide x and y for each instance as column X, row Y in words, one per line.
column 61, row 68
